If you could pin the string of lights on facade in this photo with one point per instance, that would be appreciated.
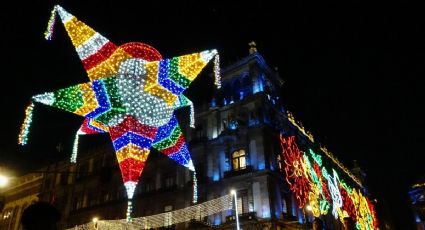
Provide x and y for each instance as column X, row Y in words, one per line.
column 132, row 94
column 322, row 189
column 308, row 134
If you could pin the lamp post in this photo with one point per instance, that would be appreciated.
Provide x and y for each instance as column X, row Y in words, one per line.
column 309, row 209
column 95, row 220
column 3, row 181
column 233, row 192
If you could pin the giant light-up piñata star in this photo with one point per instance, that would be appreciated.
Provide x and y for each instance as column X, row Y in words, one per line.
column 132, row 94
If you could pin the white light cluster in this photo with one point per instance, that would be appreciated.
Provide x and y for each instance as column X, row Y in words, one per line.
column 75, row 149
column 197, row 212
column 195, row 188
column 217, row 75
column 147, row 108
column 91, row 46
column 65, row 16
column 334, row 190
column 45, row 98
column 130, row 186
column 192, row 115
column 129, row 211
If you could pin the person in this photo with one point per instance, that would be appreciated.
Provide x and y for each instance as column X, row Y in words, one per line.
column 317, row 224
column 349, row 224
column 40, row 215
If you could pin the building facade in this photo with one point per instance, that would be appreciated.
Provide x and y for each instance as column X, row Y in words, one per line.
column 417, row 204
column 236, row 145
column 21, row 193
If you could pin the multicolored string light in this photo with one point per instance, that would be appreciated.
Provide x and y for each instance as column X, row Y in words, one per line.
column 132, row 94
column 313, row 185
column 23, row 134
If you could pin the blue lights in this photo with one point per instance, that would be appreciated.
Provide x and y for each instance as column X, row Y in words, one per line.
column 216, row 176
column 217, row 220
column 233, row 125
column 258, row 85
column 240, row 95
column 266, row 213
column 166, row 81
column 261, row 165
column 213, row 103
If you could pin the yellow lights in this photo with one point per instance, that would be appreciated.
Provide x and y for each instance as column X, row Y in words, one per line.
column 89, row 98
column 109, row 67
column 132, row 151
column 191, row 65
column 300, row 126
column 341, row 166
column 78, row 31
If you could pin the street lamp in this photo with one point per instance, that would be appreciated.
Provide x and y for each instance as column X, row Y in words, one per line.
column 309, row 208
column 95, row 220
column 3, row 181
column 233, row 192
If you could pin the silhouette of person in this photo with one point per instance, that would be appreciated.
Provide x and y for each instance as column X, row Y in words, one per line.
column 40, row 215
column 317, row 224
column 349, row 224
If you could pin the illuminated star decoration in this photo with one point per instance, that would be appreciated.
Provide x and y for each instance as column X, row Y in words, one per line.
column 132, row 94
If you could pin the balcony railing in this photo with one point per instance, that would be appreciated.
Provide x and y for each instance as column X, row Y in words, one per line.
column 239, row 172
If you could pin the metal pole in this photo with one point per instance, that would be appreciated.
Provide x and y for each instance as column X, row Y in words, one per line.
column 233, row 192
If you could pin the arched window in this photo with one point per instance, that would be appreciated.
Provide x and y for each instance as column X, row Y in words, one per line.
column 239, row 160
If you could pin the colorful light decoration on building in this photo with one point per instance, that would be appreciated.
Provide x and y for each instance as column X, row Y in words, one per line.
column 132, row 94
column 308, row 134
column 313, row 185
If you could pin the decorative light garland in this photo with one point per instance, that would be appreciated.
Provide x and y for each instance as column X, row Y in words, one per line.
column 50, row 25
column 217, row 73
column 195, row 188
column 299, row 126
column 195, row 212
column 75, row 149
column 324, row 149
column 23, row 134
column 132, row 94
column 313, row 185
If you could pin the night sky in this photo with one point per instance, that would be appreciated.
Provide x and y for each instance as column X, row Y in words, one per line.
column 353, row 74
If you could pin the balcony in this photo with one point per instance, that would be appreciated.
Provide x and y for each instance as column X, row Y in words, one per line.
column 239, row 172
column 242, row 217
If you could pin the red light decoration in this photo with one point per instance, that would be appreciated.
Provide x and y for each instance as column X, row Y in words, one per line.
column 295, row 175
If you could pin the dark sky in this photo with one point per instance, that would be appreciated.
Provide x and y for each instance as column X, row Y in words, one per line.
column 353, row 73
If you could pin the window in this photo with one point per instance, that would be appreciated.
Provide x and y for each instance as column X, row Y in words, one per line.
column 82, row 171
column 149, row 185
column 169, row 182
column 64, row 178
column 239, row 160
column 78, row 200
